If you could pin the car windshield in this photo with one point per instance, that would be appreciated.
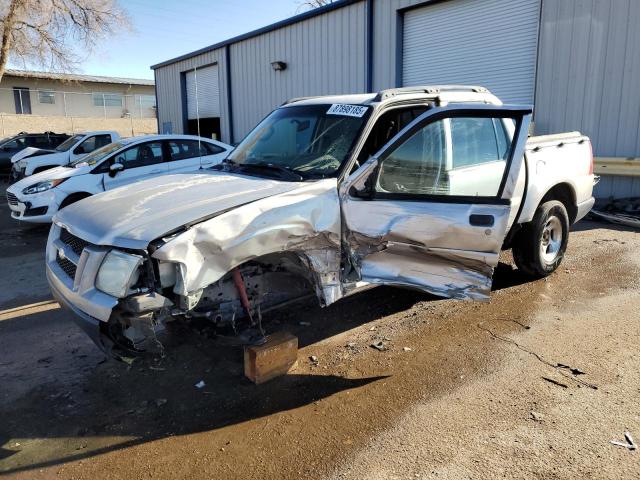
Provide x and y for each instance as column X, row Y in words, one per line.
column 68, row 143
column 301, row 141
column 97, row 155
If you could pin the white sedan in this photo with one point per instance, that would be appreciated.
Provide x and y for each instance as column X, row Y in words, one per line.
column 38, row 197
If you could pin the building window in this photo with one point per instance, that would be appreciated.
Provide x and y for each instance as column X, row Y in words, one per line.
column 147, row 101
column 107, row 100
column 47, row 96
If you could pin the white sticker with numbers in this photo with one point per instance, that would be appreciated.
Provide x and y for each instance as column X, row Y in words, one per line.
column 347, row 110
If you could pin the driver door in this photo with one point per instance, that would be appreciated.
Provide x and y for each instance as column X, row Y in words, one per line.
column 142, row 161
column 432, row 208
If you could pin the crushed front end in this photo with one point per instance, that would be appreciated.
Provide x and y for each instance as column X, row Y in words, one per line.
column 111, row 291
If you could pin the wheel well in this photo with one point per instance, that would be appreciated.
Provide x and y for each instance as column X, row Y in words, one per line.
column 563, row 192
column 43, row 168
column 74, row 197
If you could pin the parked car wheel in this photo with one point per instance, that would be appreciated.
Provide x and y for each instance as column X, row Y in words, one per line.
column 541, row 243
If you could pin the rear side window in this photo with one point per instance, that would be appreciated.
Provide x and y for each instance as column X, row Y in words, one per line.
column 93, row 143
column 184, row 149
column 212, row 149
column 40, row 142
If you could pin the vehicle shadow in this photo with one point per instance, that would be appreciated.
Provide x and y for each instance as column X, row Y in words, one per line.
column 115, row 406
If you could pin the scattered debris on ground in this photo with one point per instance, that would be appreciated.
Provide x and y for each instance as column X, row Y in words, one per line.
column 622, row 211
column 379, row 346
column 629, row 444
column 535, row 416
column 555, row 382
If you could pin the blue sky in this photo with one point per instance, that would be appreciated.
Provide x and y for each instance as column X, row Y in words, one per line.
column 165, row 29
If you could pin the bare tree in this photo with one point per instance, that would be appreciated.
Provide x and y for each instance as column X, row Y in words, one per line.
column 311, row 4
column 55, row 34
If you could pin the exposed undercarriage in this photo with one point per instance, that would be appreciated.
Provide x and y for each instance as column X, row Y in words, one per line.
column 230, row 309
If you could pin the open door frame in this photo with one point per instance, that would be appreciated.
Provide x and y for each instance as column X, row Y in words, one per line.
column 442, row 244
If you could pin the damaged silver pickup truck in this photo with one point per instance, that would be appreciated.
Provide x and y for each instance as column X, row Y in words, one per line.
column 418, row 187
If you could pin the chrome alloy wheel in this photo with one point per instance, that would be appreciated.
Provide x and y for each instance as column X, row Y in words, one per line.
column 551, row 240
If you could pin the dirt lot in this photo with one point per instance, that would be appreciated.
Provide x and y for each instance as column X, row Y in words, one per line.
column 464, row 390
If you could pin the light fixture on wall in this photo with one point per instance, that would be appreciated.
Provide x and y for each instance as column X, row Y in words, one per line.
column 279, row 66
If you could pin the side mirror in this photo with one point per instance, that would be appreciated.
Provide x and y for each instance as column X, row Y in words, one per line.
column 115, row 168
column 79, row 150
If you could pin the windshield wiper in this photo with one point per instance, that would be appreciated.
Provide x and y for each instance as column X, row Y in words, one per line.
column 283, row 171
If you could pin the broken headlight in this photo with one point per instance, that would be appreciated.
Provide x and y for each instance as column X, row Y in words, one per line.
column 118, row 272
column 167, row 272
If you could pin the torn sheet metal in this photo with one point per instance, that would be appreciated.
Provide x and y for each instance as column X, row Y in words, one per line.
column 305, row 221
column 426, row 245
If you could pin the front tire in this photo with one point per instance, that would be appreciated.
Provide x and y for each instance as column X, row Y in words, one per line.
column 541, row 243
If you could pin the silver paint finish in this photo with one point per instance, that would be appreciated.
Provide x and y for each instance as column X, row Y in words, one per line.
column 305, row 220
column 430, row 246
column 132, row 216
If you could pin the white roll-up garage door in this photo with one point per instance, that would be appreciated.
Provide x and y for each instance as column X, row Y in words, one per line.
column 207, row 91
column 492, row 43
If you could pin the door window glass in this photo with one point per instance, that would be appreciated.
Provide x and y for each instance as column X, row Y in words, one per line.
column 15, row 144
column 477, row 140
column 473, row 165
column 183, row 149
column 141, row 155
column 418, row 166
column 93, row 143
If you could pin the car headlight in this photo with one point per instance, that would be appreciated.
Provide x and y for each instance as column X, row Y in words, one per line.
column 42, row 186
column 118, row 272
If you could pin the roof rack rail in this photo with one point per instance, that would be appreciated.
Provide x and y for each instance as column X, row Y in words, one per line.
column 429, row 89
column 297, row 99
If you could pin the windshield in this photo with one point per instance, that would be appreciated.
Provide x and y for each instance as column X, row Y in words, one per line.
column 68, row 143
column 310, row 141
column 97, row 155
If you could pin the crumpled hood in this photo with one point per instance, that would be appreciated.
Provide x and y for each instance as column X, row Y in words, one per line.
column 134, row 215
column 29, row 151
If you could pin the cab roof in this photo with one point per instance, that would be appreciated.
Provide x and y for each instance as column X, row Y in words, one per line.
column 449, row 93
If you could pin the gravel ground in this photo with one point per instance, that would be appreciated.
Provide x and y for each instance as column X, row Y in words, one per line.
column 462, row 389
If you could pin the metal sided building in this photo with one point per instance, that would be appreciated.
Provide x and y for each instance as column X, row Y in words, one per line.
column 576, row 61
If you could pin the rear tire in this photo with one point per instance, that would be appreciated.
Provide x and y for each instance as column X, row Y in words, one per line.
column 541, row 243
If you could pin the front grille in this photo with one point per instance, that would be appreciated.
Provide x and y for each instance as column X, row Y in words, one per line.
column 67, row 265
column 76, row 244
column 12, row 199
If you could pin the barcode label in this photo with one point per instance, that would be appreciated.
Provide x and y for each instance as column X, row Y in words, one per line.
column 347, row 110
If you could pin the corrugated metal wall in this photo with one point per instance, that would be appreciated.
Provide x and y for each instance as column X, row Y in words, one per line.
column 492, row 43
column 385, row 38
column 324, row 55
column 589, row 78
column 169, row 90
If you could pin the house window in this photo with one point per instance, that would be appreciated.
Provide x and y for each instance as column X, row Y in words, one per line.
column 47, row 96
column 107, row 100
column 147, row 101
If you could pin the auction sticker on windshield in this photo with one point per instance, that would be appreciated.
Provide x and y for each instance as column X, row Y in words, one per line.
column 347, row 110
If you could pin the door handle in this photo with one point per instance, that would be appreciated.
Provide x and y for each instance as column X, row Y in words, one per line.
column 481, row 220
